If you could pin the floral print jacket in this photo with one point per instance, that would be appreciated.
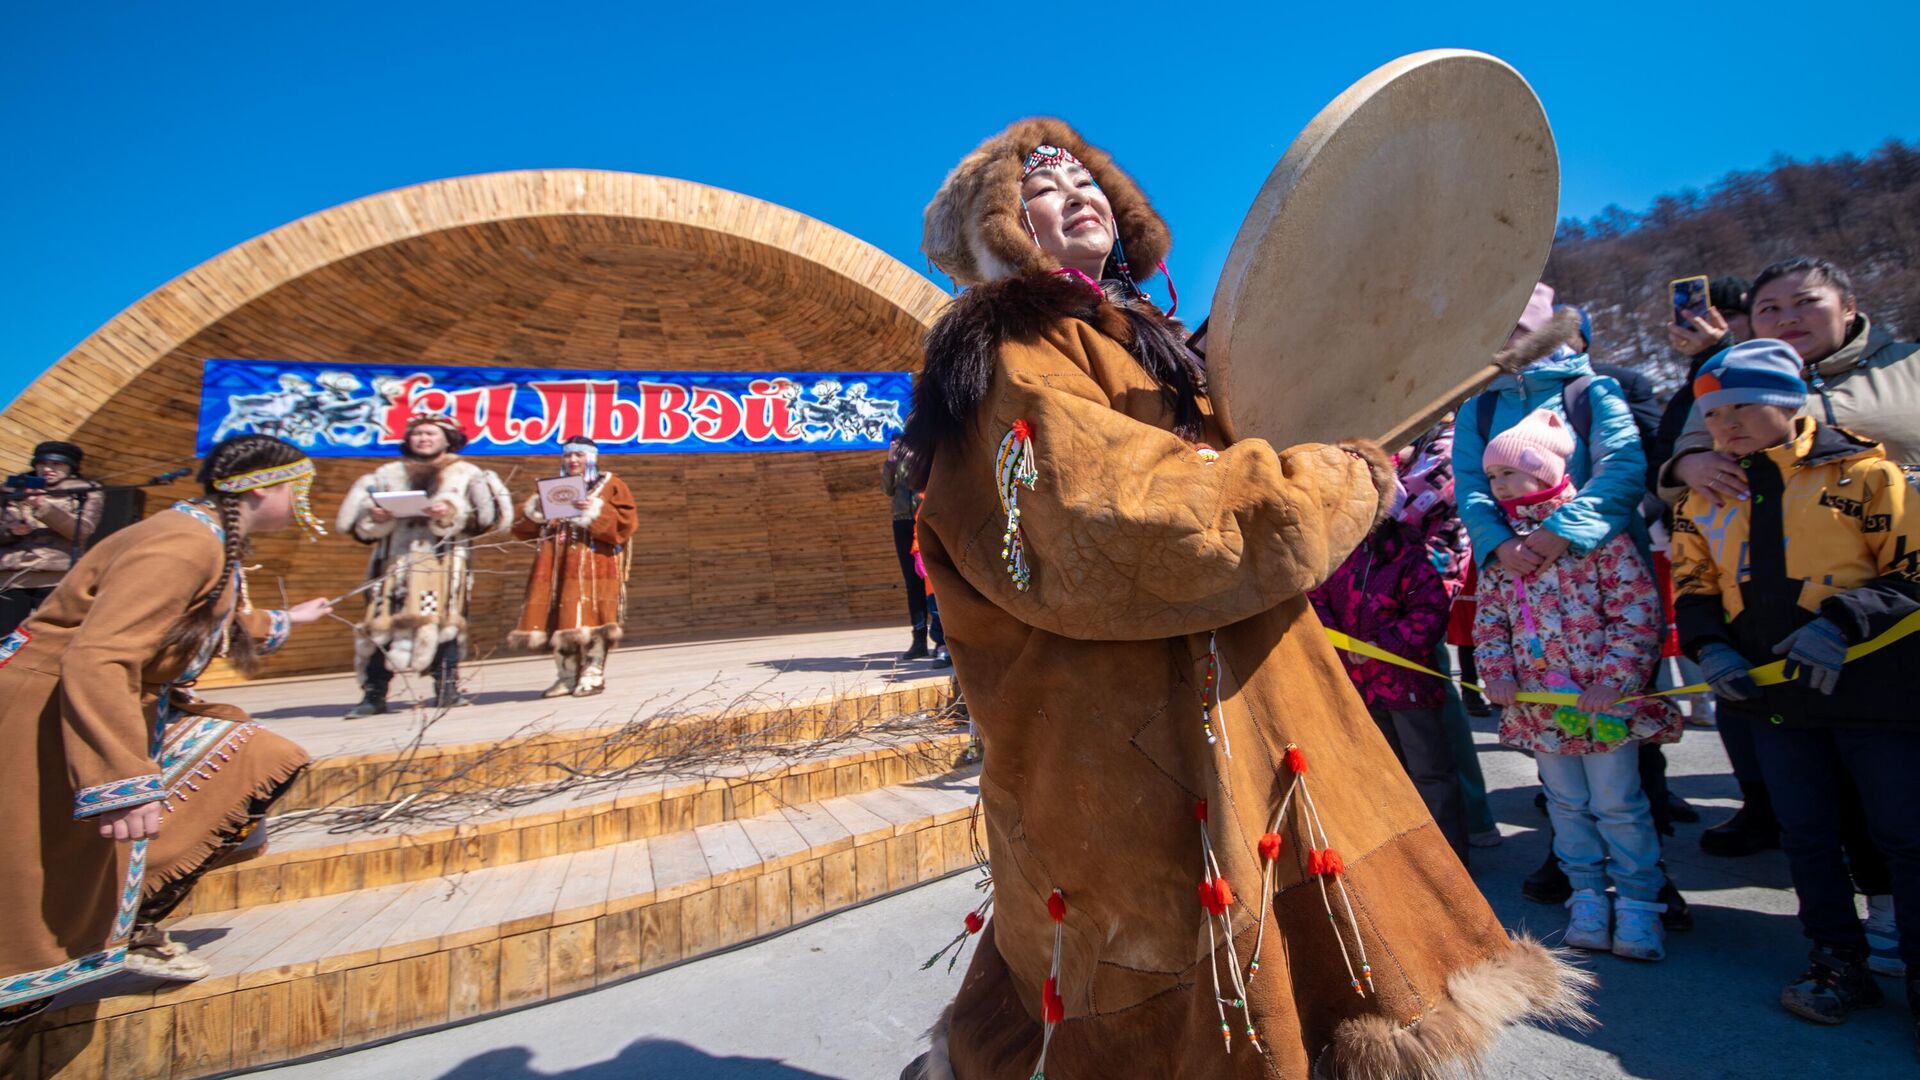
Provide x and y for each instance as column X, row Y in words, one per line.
column 1581, row 620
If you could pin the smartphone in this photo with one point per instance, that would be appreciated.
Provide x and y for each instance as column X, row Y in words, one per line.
column 1690, row 300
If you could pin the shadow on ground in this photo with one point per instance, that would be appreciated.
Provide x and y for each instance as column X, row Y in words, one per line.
column 643, row 1059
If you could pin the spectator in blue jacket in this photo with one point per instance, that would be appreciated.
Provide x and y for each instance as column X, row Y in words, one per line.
column 1608, row 465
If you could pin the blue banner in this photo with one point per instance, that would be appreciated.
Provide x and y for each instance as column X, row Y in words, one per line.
column 361, row 410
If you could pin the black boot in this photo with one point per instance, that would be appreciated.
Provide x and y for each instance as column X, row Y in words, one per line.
column 1835, row 983
column 1549, row 884
column 447, row 695
column 1751, row 830
column 1678, row 916
column 373, row 703
column 1680, row 810
column 1476, row 705
column 919, row 649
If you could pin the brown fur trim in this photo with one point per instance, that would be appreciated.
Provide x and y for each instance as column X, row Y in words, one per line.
column 975, row 231
column 1527, row 983
column 1386, row 481
column 580, row 635
column 937, row 1063
column 1559, row 330
column 527, row 639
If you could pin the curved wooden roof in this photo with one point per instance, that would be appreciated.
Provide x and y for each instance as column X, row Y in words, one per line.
column 790, row 244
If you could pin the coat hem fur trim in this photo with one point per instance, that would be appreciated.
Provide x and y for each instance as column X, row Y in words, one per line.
column 1529, row 983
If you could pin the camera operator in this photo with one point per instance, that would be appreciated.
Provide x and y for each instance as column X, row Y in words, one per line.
column 47, row 517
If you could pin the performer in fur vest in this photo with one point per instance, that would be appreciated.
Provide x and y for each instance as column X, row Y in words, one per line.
column 577, row 591
column 416, row 618
column 121, row 787
column 1161, row 711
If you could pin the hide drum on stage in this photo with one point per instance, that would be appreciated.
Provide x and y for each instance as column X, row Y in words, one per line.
column 1389, row 254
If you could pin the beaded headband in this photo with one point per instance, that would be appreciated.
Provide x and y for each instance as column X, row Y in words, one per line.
column 299, row 473
column 1047, row 157
column 267, row 477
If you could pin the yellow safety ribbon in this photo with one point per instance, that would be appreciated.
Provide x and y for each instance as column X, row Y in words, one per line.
column 1764, row 675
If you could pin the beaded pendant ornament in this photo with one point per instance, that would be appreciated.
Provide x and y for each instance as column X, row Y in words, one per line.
column 1014, row 469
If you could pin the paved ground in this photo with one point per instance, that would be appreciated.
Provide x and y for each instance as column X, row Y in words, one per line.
column 844, row 997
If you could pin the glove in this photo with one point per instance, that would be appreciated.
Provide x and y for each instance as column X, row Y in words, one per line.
column 1727, row 672
column 1814, row 655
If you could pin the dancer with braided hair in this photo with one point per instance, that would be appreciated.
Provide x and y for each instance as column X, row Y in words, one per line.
column 120, row 787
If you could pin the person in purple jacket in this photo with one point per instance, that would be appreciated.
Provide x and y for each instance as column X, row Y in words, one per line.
column 1389, row 594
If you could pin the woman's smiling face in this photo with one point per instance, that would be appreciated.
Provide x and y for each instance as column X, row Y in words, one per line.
column 1069, row 216
column 1812, row 316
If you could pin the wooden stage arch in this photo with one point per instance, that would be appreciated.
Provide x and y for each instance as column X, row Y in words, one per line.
column 551, row 268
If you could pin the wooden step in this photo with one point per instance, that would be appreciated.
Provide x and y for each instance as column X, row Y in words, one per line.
column 308, row 976
column 380, row 778
column 314, row 854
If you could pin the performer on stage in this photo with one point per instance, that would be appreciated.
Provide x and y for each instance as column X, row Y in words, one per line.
column 416, row 618
column 1161, row 712
column 122, row 788
column 577, row 591
column 44, row 529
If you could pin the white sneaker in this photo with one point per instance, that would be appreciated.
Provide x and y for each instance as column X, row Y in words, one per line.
column 1638, row 933
column 1883, row 938
column 1587, row 921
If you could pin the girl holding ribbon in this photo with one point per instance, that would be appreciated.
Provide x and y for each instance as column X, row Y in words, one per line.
column 1586, row 626
column 121, row 787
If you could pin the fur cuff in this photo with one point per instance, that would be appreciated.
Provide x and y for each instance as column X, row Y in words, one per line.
column 455, row 525
column 531, row 509
column 1380, row 471
column 1541, row 343
column 1528, row 982
column 352, row 519
column 936, row 1063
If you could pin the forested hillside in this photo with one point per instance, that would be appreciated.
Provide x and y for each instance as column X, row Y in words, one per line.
column 1861, row 212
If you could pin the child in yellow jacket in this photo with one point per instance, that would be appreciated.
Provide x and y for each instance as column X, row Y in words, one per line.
column 1823, row 554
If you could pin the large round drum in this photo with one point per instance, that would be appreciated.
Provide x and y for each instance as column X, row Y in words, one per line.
column 1389, row 254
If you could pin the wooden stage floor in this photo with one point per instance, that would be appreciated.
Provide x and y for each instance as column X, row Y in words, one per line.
column 681, row 678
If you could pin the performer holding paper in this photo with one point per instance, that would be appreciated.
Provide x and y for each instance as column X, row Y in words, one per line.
column 121, row 787
column 1160, row 709
column 577, row 591
column 416, row 618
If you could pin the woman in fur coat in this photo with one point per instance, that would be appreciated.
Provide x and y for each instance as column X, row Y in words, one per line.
column 1206, row 861
column 416, row 618
column 121, row 787
column 577, row 589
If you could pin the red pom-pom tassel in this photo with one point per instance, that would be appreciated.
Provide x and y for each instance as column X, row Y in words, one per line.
column 1222, row 893
column 1296, row 760
column 1200, row 810
column 1022, row 429
column 1270, row 846
column 1057, row 906
column 1325, row 861
column 1210, row 898
column 1052, row 1008
column 974, row 922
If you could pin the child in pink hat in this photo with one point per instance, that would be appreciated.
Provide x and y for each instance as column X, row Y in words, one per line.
column 1587, row 626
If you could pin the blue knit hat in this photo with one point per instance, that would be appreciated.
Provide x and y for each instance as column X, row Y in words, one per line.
column 1758, row 372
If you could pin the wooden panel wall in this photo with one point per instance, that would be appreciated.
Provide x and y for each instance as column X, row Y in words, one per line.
column 729, row 543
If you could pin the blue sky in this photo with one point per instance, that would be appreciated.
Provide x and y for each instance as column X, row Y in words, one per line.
column 143, row 139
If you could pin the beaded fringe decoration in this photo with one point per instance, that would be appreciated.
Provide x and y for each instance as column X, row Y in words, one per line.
column 1323, row 863
column 1014, row 469
column 1210, row 702
column 1216, row 897
column 1052, row 1008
